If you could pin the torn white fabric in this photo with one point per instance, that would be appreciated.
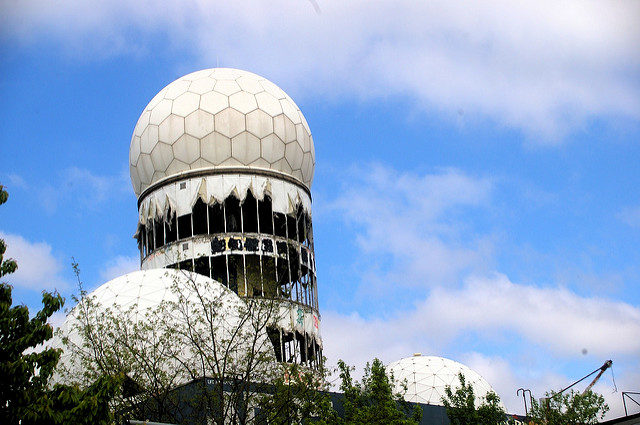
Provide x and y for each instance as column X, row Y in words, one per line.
column 180, row 196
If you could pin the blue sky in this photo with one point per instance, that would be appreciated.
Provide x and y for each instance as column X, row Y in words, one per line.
column 476, row 188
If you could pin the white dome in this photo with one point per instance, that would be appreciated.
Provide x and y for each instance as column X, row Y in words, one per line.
column 134, row 298
column 218, row 118
column 427, row 376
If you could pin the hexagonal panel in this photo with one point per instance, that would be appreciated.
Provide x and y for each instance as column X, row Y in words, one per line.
column 231, row 162
column 249, row 84
column 260, row 162
column 274, row 90
column 307, row 167
column 185, row 104
column 227, row 87
column 186, row 149
column 303, row 137
column 259, row 123
column 279, row 127
column 297, row 174
column 176, row 88
column 272, row 148
column 245, row 147
column 269, row 104
column 282, row 165
column 289, row 130
column 214, row 102
column 202, row 86
column 135, row 179
column 134, row 150
column 290, row 111
column 199, row 124
column 143, row 121
column 293, row 154
column 161, row 156
column 171, row 129
column 215, row 148
column 229, row 122
column 200, row 163
column 145, row 168
column 243, row 102
column 156, row 99
column 157, row 175
column 160, row 112
column 148, row 139
column 176, row 167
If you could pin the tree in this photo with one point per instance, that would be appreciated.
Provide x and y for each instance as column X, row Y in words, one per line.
column 462, row 410
column 373, row 401
column 298, row 397
column 26, row 367
column 198, row 355
column 570, row 408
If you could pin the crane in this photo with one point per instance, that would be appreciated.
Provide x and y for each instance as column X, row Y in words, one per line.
column 599, row 370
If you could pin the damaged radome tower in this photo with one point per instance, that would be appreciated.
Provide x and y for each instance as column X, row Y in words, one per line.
column 222, row 161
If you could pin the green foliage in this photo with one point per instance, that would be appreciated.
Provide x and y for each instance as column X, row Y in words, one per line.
column 373, row 401
column 462, row 410
column 26, row 396
column 570, row 408
column 298, row 397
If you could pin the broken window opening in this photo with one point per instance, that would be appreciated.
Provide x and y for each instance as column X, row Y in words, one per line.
column 219, row 269
column 265, row 215
column 216, row 218
column 232, row 214
column 269, row 279
column 253, row 275
column 201, row 266
column 236, row 273
column 158, row 231
column 200, row 218
column 184, row 226
column 301, row 224
column 292, row 227
column 171, row 228
column 274, row 337
column 150, row 239
column 280, row 224
column 186, row 265
column 250, row 214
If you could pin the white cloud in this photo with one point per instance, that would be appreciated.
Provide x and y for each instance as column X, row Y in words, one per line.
column 119, row 266
column 409, row 228
column 549, row 324
column 38, row 268
column 543, row 67
column 555, row 318
column 86, row 188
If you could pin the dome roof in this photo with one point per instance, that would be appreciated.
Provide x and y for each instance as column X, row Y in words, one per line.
column 218, row 118
column 427, row 376
column 132, row 302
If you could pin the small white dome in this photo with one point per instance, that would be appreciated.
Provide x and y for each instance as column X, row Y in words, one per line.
column 218, row 118
column 427, row 376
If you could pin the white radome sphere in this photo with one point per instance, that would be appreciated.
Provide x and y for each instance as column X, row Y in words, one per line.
column 216, row 118
column 132, row 296
column 427, row 376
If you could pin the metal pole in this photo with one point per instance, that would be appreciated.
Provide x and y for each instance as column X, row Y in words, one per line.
column 524, row 398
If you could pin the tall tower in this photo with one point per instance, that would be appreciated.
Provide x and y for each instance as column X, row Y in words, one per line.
column 222, row 161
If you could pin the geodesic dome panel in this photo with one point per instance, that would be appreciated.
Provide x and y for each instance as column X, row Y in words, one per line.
column 218, row 118
column 427, row 376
